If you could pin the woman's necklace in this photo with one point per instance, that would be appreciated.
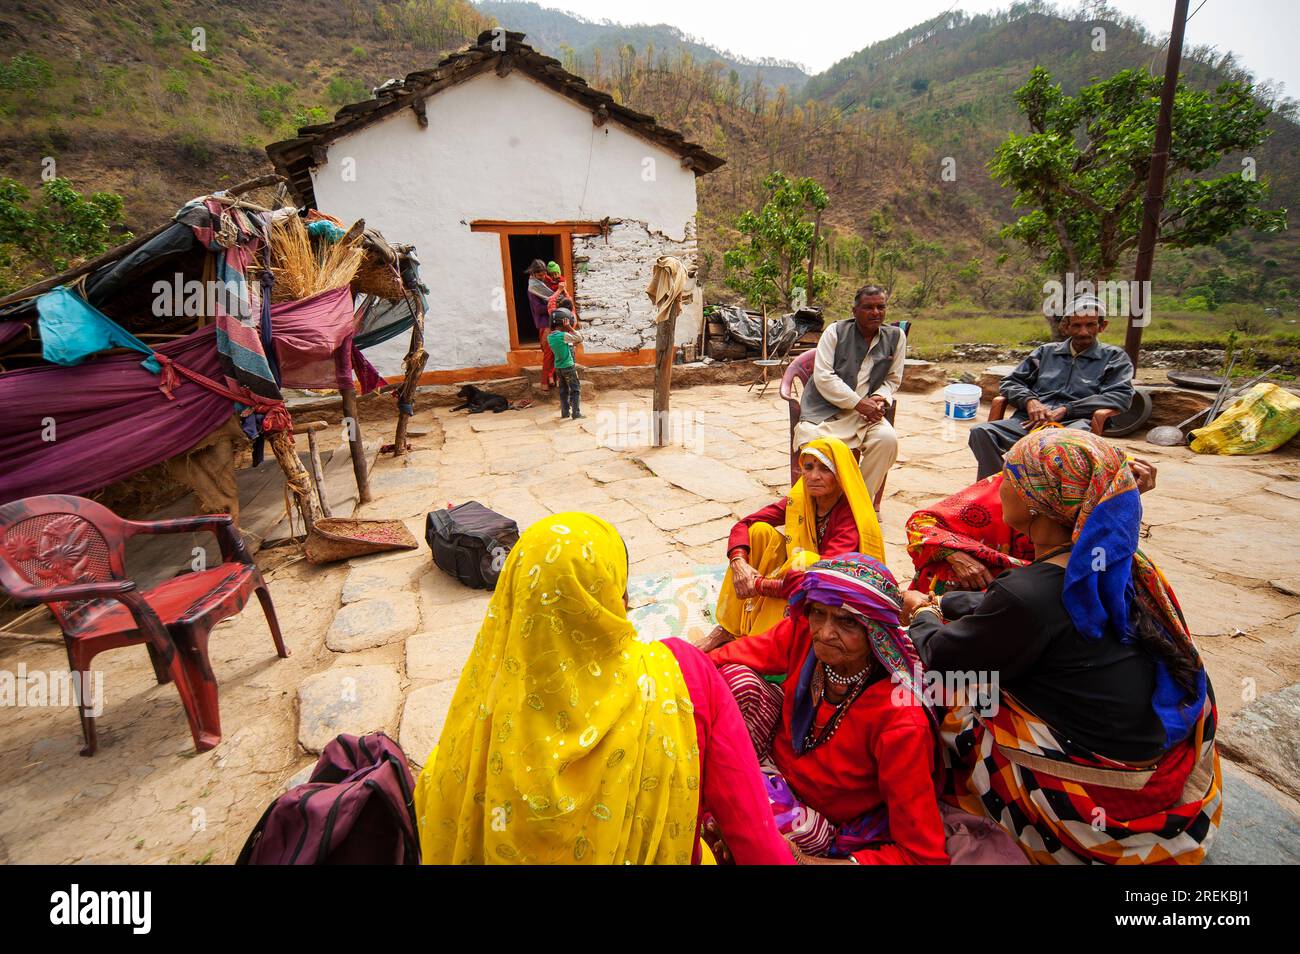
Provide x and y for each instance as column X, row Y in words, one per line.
column 844, row 682
column 821, row 520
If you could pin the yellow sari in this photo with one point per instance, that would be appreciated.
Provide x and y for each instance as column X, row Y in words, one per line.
column 568, row 741
column 775, row 554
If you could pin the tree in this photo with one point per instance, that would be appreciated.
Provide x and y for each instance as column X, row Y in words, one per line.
column 49, row 235
column 1083, row 169
column 978, row 282
column 771, row 263
column 929, row 257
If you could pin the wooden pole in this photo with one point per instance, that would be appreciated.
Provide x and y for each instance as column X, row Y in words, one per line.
column 812, row 256
column 664, row 333
column 358, row 451
column 295, row 476
column 415, row 361
column 317, row 471
column 1155, row 197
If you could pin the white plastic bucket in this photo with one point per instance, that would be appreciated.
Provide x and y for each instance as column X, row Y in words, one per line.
column 961, row 401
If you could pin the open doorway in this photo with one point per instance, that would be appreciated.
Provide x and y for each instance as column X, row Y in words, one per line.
column 523, row 250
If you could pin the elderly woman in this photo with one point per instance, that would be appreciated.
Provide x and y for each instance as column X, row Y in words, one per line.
column 848, row 745
column 962, row 542
column 1100, row 746
column 827, row 512
column 570, row 742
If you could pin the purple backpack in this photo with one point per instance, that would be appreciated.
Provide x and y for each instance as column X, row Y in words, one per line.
column 357, row 809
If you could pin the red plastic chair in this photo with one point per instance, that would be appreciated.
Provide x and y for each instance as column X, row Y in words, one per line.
column 801, row 369
column 67, row 552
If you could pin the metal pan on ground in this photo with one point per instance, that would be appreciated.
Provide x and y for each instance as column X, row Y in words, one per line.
column 1198, row 380
column 1138, row 413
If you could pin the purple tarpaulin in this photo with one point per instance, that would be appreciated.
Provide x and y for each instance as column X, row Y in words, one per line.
column 314, row 343
column 107, row 417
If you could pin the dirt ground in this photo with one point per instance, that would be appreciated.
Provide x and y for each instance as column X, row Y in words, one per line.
column 1221, row 528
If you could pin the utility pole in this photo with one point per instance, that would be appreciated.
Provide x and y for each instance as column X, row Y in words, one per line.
column 1155, row 197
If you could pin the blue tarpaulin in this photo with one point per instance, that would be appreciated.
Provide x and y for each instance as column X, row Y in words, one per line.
column 72, row 330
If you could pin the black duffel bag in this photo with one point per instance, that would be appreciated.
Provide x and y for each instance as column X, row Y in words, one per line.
column 470, row 542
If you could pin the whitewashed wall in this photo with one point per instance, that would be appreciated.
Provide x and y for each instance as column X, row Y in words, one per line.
column 509, row 148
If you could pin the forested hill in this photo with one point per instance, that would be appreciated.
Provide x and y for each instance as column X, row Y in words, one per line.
column 951, row 80
column 572, row 39
column 126, row 99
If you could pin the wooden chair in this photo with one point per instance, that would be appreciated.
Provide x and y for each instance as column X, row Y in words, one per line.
column 68, row 552
column 998, row 410
column 801, row 369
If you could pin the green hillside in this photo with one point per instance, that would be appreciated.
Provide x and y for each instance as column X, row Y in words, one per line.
column 578, row 42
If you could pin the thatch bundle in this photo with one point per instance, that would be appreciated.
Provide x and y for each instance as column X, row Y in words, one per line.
column 302, row 271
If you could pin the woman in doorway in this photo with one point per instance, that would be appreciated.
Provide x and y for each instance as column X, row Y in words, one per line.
column 538, row 293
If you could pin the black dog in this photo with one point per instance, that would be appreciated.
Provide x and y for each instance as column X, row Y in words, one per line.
column 478, row 401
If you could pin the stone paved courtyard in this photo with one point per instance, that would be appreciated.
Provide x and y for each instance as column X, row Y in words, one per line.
column 377, row 643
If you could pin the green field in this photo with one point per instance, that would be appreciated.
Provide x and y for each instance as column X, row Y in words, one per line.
column 935, row 331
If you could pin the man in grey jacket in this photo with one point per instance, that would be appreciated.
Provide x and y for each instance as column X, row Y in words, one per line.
column 858, row 369
column 1065, row 382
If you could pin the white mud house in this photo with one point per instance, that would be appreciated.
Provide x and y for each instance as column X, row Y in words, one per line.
column 491, row 159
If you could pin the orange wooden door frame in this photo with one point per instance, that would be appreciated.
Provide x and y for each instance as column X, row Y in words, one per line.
column 565, row 230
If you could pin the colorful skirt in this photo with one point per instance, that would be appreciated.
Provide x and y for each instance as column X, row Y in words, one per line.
column 1068, row 806
column 760, row 706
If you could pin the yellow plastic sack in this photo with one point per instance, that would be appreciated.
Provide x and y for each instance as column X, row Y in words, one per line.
column 1261, row 420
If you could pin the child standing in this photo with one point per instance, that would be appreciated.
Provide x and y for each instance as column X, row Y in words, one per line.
column 564, row 335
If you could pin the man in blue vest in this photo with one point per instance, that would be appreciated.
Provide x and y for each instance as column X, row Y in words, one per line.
column 858, row 370
column 1065, row 381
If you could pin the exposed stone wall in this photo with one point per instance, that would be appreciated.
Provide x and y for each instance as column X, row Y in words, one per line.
column 612, row 274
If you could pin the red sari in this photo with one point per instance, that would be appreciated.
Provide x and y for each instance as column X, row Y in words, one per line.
column 881, row 754
column 970, row 522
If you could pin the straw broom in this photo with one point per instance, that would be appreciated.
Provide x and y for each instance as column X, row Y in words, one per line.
column 300, row 271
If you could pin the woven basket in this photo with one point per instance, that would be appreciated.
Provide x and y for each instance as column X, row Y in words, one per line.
column 377, row 278
column 340, row 538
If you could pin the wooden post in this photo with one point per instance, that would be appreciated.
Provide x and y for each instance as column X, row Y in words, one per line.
column 812, row 256
column 295, row 476
column 1155, row 197
column 415, row 361
column 663, row 377
column 317, row 471
column 349, row 395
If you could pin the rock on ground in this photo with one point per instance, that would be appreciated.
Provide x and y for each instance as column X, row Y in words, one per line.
column 346, row 699
column 422, row 719
column 1265, row 735
column 373, row 622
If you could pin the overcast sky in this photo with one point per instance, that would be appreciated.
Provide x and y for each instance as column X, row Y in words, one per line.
column 816, row 33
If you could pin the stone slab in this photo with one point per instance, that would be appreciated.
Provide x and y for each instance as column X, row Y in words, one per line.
column 702, row 534
column 717, row 481
column 1259, row 825
column 373, row 622
column 670, row 520
column 346, row 699
column 423, row 717
column 381, row 579
column 434, row 657
column 1265, row 735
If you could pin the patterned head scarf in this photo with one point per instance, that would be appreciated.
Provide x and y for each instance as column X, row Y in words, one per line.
column 1080, row 480
column 865, row 587
column 568, row 740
